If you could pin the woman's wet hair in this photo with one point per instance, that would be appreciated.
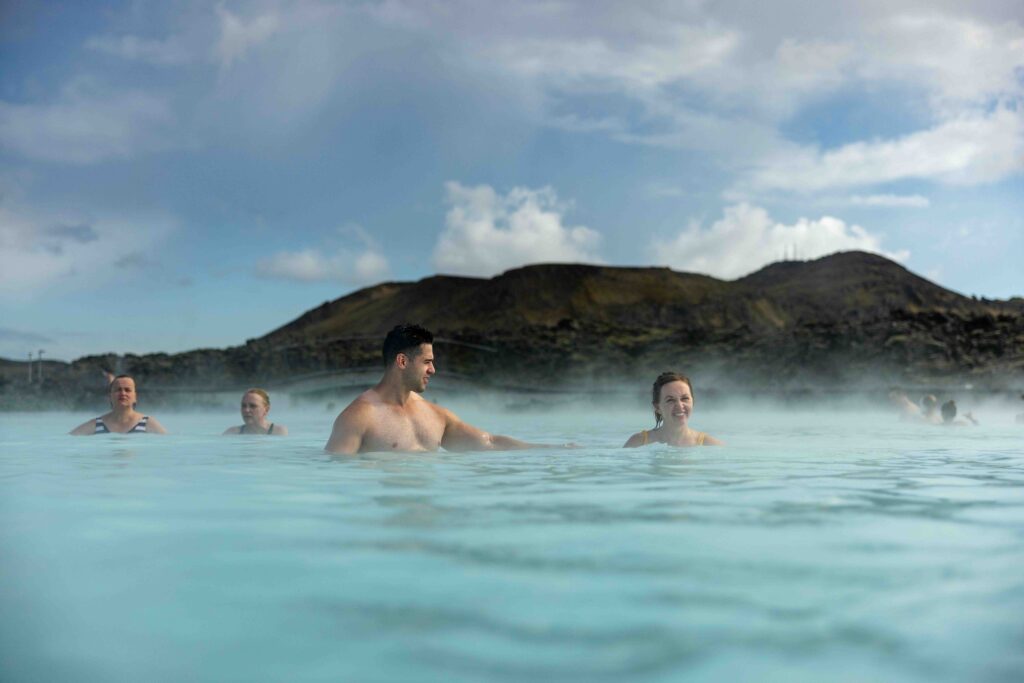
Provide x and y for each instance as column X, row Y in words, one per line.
column 949, row 411
column 259, row 392
column 110, row 385
column 663, row 379
column 404, row 338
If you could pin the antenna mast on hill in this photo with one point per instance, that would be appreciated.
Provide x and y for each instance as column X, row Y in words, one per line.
column 40, row 373
column 30, row 367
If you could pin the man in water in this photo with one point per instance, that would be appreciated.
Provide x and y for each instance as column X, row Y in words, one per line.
column 949, row 415
column 393, row 416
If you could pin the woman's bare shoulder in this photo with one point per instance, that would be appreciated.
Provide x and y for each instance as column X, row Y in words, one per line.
column 636, row 440
column 84, row 429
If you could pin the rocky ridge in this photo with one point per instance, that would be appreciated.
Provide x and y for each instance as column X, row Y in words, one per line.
column 853, row 318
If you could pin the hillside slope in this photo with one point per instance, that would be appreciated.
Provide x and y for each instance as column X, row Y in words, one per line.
column 846, row 320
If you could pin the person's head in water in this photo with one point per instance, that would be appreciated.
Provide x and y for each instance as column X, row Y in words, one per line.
column 949, row 411
column 409, row 351
column 672, row 396
column 255, row 406
column 121, row 392
column 929, row 403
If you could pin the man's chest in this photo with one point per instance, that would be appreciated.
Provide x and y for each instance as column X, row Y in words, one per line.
column 414, row 429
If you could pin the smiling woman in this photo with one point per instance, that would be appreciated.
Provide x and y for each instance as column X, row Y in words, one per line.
column 672, row 399
column 122, row 418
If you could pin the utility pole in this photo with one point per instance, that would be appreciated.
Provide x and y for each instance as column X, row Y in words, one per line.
column 40, row 366
column 30, row 367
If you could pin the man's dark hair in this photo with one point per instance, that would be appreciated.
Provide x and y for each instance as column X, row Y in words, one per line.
column 405, row 339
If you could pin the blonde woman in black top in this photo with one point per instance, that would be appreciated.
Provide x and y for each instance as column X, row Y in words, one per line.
column 255, row 406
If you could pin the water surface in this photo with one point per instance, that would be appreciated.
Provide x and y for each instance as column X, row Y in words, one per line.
column 816, row 546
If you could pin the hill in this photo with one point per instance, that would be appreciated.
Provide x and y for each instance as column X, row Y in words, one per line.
column 778, row 296
column 849, row 319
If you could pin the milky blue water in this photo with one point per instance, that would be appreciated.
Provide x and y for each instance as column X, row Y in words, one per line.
column 815, row 546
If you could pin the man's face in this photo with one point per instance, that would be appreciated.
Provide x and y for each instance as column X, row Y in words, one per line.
column 419, row 367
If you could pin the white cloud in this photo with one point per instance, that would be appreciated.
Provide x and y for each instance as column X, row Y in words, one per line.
column 486, row 233
column 597, row 62
column 969, row 150
column 308, row 265
column 238, row 36
column 961, row 60
column 354, row 266
column 746, row 238
column 86, row 124
column 910, row 201
column 712, row 78
column 170, row 51
column 41, row 251
column 715, row 77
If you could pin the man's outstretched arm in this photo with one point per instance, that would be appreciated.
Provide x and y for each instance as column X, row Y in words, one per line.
column 459, row 436
column 347, row 434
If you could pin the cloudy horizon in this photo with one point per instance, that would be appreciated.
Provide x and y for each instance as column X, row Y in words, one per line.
column 194, row 174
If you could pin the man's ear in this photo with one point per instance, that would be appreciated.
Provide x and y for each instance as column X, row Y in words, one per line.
column 401, row 360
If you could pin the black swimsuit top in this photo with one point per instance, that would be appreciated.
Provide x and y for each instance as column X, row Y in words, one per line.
column 270, row 429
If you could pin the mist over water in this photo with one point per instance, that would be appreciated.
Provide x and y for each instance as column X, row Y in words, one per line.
column 819, row 544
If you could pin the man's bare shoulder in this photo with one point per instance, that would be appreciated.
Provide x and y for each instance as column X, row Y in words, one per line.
column 363, row 404
column 351, row 425
column 436, row 413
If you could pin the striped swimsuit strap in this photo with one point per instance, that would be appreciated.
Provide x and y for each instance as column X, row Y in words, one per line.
column 139, row 428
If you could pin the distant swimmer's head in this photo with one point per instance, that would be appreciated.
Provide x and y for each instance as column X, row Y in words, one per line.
column 929, row 403
column 409, row 350
column 672, row 398
column 949, row 411
column 255, row 406
column 121, row 392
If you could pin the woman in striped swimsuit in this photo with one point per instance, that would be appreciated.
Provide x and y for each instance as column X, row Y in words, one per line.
column 122, row 418
column 672, row 399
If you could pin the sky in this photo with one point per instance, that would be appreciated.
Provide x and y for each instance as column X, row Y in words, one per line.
column 194, row 174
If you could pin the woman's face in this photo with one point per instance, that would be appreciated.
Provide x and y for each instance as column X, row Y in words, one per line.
column 254, row 409
column 122, row 393
column 675, row 404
